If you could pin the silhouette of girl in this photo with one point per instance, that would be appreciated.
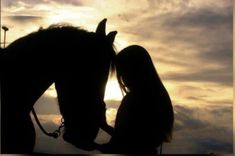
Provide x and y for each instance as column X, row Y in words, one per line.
column 145, row 117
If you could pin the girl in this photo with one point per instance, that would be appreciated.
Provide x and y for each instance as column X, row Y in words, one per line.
column 145, row 117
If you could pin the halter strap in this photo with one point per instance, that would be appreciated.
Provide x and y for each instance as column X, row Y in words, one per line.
column 55, row 134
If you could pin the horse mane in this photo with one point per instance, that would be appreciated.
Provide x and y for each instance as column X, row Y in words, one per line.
column 51, row 31
column 62, row 27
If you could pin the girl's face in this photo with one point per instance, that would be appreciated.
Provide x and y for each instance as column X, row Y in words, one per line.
column 134, row 67
column 128, row 76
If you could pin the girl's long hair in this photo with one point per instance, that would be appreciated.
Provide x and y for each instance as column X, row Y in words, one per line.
column 136, row 72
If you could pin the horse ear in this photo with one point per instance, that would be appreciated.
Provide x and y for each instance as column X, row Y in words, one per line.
column 101, row 27
column 111, row 36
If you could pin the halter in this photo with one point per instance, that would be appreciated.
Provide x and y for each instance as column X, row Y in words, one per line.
column 54, row 134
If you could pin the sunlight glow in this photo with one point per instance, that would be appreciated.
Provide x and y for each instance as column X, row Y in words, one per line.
column 56, row 119
column 61, row 16
column 51, row 92
column 111, row 115
column 81, row 16
column 112, row 91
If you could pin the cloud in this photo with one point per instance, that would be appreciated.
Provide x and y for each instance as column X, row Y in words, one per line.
column 45, row 144
column 64, row 2
column 111, row 116
column 195, row 133
column 196, row 130
column 50, row 118
column 189, row 39
column 219, row 76
column 23, row 19
column 200, row 141
column 211, row 101
column 13, row 3
column 203, row 18
column 207, row 31
column 215, row 146
column 184, row 121
column 210, row 115
column 47, row 105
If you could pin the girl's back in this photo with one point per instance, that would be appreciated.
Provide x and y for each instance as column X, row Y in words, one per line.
column 140, row 123
column 145, row 116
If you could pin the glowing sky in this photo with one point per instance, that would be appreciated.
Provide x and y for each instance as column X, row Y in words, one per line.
column 190, row 42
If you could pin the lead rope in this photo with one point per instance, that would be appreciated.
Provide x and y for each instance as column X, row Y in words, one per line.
column 56, row 133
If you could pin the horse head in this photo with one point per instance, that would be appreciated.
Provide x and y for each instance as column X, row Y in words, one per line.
column 81, row 90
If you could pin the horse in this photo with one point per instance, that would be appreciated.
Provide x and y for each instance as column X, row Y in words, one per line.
column 77, row 61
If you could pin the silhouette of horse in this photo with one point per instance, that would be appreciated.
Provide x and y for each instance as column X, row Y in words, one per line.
column 77, row 61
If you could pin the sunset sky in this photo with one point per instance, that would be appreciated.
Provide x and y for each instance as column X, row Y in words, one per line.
column 191, row 45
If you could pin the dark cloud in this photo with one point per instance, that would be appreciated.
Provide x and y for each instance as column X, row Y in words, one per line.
column 208, row 32
column 203, row 18
column 194, row 133
column 213, row 145
column 24, row 19
column 167, row 4
column 219, row 53
column 7, row 3
column 184, row 120
column 214, row 102
column 197, row 39
column 29, row 3
column 187, row 123
column 64, row 2
column 222, row 111
column 220, row 76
